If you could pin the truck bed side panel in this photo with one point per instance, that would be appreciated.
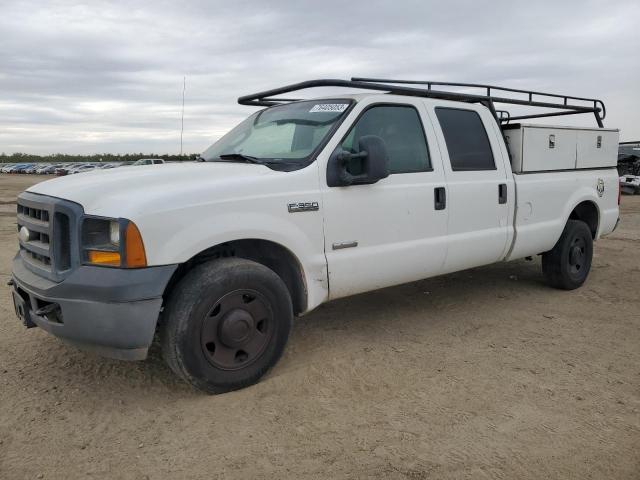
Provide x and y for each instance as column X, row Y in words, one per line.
column 544, row 202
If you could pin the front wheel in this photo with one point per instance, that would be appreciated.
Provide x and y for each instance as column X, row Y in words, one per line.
column 567, row 265
column 225, row 324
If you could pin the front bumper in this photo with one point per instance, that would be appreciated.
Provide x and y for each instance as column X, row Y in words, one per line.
column 110, row 311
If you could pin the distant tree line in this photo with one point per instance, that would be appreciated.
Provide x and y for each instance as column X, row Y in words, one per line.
column 98, row 157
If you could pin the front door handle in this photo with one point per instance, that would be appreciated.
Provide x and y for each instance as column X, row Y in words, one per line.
column 502, row 193
column 439, row 198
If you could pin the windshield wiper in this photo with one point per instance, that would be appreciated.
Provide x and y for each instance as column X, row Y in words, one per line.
column 241, row 156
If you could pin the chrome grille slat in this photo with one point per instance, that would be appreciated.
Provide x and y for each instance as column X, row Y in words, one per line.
column 33, row 224
column 38, row 247
column 36, row 259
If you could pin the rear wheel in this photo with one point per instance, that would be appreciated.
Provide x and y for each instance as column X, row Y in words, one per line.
column 225, row 324
column 567, row 265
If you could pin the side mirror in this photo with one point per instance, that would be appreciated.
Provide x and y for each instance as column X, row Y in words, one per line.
column 372, row 160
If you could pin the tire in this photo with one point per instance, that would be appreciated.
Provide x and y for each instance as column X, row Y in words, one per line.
column 567, row 265
column 225, row 324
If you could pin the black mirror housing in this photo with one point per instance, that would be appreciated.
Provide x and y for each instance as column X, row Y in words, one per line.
column 372, row 151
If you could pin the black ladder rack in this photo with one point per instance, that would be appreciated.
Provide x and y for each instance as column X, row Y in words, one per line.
column 417, row 89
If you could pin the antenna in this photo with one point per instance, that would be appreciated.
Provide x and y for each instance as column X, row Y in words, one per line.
column 184, row 86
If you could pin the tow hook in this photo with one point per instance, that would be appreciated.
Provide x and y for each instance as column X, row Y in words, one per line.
column 47, row 309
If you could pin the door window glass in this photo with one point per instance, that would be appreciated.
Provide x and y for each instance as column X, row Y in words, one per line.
column 466, row 139
column 401, row 129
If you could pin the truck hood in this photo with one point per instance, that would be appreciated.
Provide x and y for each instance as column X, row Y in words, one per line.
column 126, row 191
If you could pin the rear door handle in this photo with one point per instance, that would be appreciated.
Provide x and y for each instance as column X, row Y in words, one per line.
column 439, row 198
column 502, row 193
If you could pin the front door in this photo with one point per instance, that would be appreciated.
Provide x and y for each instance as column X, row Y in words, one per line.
column 389, row 232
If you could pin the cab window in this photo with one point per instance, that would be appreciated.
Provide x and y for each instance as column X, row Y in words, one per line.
column 466, row 139
column 401, row 129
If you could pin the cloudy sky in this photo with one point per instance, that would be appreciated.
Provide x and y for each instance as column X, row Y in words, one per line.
column 97, row 76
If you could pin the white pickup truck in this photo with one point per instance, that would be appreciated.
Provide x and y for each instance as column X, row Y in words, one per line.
column 304, row 202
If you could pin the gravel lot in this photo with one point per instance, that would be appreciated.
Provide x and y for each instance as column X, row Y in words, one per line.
column 485, row 373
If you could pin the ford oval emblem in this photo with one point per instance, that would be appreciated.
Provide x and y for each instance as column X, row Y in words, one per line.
column 24, row 234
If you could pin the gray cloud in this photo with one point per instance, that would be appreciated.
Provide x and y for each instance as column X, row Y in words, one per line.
column 107, row 76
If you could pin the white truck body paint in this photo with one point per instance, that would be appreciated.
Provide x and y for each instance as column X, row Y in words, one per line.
column 183, row 209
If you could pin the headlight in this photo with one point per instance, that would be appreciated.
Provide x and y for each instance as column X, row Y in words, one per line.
column 112, row 242
column 114, row 232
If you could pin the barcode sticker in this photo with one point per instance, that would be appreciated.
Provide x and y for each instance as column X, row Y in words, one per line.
column 329, row 107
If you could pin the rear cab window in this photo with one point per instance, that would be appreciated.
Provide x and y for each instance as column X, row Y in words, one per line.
column 466, row 138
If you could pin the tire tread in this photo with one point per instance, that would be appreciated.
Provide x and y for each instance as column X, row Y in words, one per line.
column 553, row 263
column 186, row 295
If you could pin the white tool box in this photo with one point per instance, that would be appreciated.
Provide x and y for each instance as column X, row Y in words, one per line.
column 538, row 148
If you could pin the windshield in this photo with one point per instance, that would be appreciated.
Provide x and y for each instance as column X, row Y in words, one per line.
column 283, row 134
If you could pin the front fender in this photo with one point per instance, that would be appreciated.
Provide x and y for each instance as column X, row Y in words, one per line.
column 301, row 235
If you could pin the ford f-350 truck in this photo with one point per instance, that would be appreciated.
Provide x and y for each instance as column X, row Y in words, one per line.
column 307, row 201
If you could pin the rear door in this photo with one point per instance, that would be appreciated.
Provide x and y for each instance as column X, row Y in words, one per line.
column 477, row 186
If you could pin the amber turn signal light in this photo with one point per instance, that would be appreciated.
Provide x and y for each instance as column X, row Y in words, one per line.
column 134, row 248
column 104, row 258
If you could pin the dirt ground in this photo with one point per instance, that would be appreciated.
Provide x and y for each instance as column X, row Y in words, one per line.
column 485, row 373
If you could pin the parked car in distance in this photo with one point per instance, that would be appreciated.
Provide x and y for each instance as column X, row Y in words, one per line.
column 83, row 168
column 148, row 161
column 106, row 166
column 13, row 168
column 39, row 168
column 66, row 168
column 19, row 168
column 51, row 169
column 630, row 184
column 35, row 167
column 22, row 168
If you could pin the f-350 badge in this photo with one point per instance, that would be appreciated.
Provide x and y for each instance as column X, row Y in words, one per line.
column 303, row 207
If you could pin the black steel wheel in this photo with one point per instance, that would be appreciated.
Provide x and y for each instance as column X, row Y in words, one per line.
column 567, row 265
column 225, row 324
column 236, row 330
column 577, row 255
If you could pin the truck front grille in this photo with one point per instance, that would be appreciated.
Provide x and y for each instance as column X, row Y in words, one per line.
column 45, row 235
column 35, row 244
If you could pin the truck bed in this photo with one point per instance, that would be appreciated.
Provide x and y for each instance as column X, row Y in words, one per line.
column 541, row 196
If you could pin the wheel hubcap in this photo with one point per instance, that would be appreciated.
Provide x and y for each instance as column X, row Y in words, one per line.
column 577, row 254
column 237, row 329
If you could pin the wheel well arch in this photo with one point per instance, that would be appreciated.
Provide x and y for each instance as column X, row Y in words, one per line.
column 270, row 254
column 587, row 211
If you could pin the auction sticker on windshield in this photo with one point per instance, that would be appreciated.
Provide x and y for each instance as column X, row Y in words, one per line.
column 329, row 107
